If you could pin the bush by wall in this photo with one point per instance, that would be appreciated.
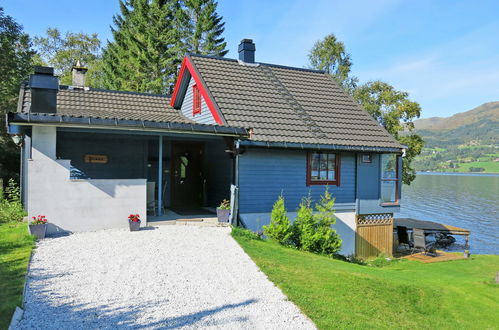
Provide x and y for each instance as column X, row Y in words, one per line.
column 279, row 228
column 11, row 208
column 311, row 230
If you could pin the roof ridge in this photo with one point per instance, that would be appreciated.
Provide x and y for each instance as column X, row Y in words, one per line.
column 67, row 87
column 261, row 63
column 295, row 106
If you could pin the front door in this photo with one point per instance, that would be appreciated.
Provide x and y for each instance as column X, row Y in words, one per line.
column 187, row 176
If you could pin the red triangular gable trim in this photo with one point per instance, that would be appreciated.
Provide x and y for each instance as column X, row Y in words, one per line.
column 202, row 88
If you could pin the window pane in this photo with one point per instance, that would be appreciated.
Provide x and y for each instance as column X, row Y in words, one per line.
column 331, row 166
column 323, row 167
column 315, row 167
column 389, row 166
column 388, row 191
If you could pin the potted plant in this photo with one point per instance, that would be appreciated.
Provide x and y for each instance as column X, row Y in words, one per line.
column 134, row 222
column 223, row 211
column 38, row 226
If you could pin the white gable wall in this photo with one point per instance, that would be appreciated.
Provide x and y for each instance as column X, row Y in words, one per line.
column 205, row 117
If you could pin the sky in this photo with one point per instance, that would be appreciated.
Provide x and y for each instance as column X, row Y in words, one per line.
column 445, row 53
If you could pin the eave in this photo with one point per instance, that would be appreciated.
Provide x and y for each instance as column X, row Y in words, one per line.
column 25, row 119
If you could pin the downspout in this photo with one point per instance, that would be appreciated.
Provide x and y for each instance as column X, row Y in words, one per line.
column 160, row 176
column 356, row 183
column 236, row 182
column 21, row 172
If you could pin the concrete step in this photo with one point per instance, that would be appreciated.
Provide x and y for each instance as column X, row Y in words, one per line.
column 202, row 222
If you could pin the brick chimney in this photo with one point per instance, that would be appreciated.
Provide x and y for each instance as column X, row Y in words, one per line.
column 78, row 72
column 247, row 51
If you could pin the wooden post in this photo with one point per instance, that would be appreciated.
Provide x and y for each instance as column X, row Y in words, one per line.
column 160, row 176
column 497, row 277
column 466, row 247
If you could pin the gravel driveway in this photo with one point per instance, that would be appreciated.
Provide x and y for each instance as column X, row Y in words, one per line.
column 164, row 277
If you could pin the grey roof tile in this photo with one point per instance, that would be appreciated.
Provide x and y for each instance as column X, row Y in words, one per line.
column 112, row 104
column 284, row 104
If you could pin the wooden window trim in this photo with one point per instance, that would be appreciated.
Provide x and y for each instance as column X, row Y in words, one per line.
column 196, row 100
column 337, row 173
column 397, row 184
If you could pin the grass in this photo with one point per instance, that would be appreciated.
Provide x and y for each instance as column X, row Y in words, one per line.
column 405, row 294
column 15, row 248
column 489, row 166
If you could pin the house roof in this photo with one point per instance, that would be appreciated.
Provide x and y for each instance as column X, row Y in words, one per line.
column 97, row 107
column 98, row 103
column 282, row 105
column 290, row 105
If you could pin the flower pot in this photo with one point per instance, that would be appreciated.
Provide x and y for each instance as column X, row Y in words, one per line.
column 223, row 215
column 38, row 230
column 134, row 225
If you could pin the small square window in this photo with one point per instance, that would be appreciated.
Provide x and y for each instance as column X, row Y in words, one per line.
column 367, row 158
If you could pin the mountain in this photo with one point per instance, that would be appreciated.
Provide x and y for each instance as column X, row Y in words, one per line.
column 465, row 142
column 487, row 111
column 479, row 126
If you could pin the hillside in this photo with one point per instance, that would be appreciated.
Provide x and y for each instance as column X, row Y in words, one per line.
column 465, row 142
column 487, row 111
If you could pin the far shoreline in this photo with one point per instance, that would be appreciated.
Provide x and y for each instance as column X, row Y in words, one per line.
column 458, row 173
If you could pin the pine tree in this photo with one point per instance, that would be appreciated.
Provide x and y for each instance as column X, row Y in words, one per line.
column 279, row 228
column 304, row 226
column 203, row 34
column 146, row 49
column 152, row 36
column 326, row 240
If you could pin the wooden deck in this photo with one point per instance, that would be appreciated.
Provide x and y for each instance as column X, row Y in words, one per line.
column 441, row 256
column 430, row 227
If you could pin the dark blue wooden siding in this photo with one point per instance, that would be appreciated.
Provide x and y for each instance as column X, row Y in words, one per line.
column 264, row 173
column 126, row 155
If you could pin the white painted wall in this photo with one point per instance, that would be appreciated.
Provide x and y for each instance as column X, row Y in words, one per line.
column 77, row 205
column 345, row 226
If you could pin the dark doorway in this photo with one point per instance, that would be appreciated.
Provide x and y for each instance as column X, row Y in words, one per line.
column 187, row 175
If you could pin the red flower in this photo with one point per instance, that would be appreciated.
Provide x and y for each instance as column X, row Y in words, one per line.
column 39, row 220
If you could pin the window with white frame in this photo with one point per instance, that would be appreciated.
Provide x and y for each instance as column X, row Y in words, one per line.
column 390, row 177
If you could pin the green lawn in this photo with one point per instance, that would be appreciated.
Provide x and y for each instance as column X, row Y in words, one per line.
column 15, row 248
column 404, row 294
column 490, row 166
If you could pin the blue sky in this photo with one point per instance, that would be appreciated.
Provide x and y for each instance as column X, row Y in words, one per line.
column 444, row 53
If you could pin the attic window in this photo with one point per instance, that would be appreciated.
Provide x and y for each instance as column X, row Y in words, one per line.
column 196, row 100
column 323, row 168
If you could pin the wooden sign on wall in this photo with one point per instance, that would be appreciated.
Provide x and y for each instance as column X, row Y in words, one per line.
column 96, row 159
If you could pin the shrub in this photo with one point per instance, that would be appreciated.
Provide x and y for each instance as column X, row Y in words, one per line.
column 244, row 233
column 11, row 208
column 304, row 226
column 313, row 232
column 325, row 238
column 279, row 228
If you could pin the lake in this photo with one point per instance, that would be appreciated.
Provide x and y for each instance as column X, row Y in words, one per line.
column 468, row 201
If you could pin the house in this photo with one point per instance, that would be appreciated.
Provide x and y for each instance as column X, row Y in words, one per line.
column 233, row 129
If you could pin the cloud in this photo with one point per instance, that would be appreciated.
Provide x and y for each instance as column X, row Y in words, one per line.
column 452, row 77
